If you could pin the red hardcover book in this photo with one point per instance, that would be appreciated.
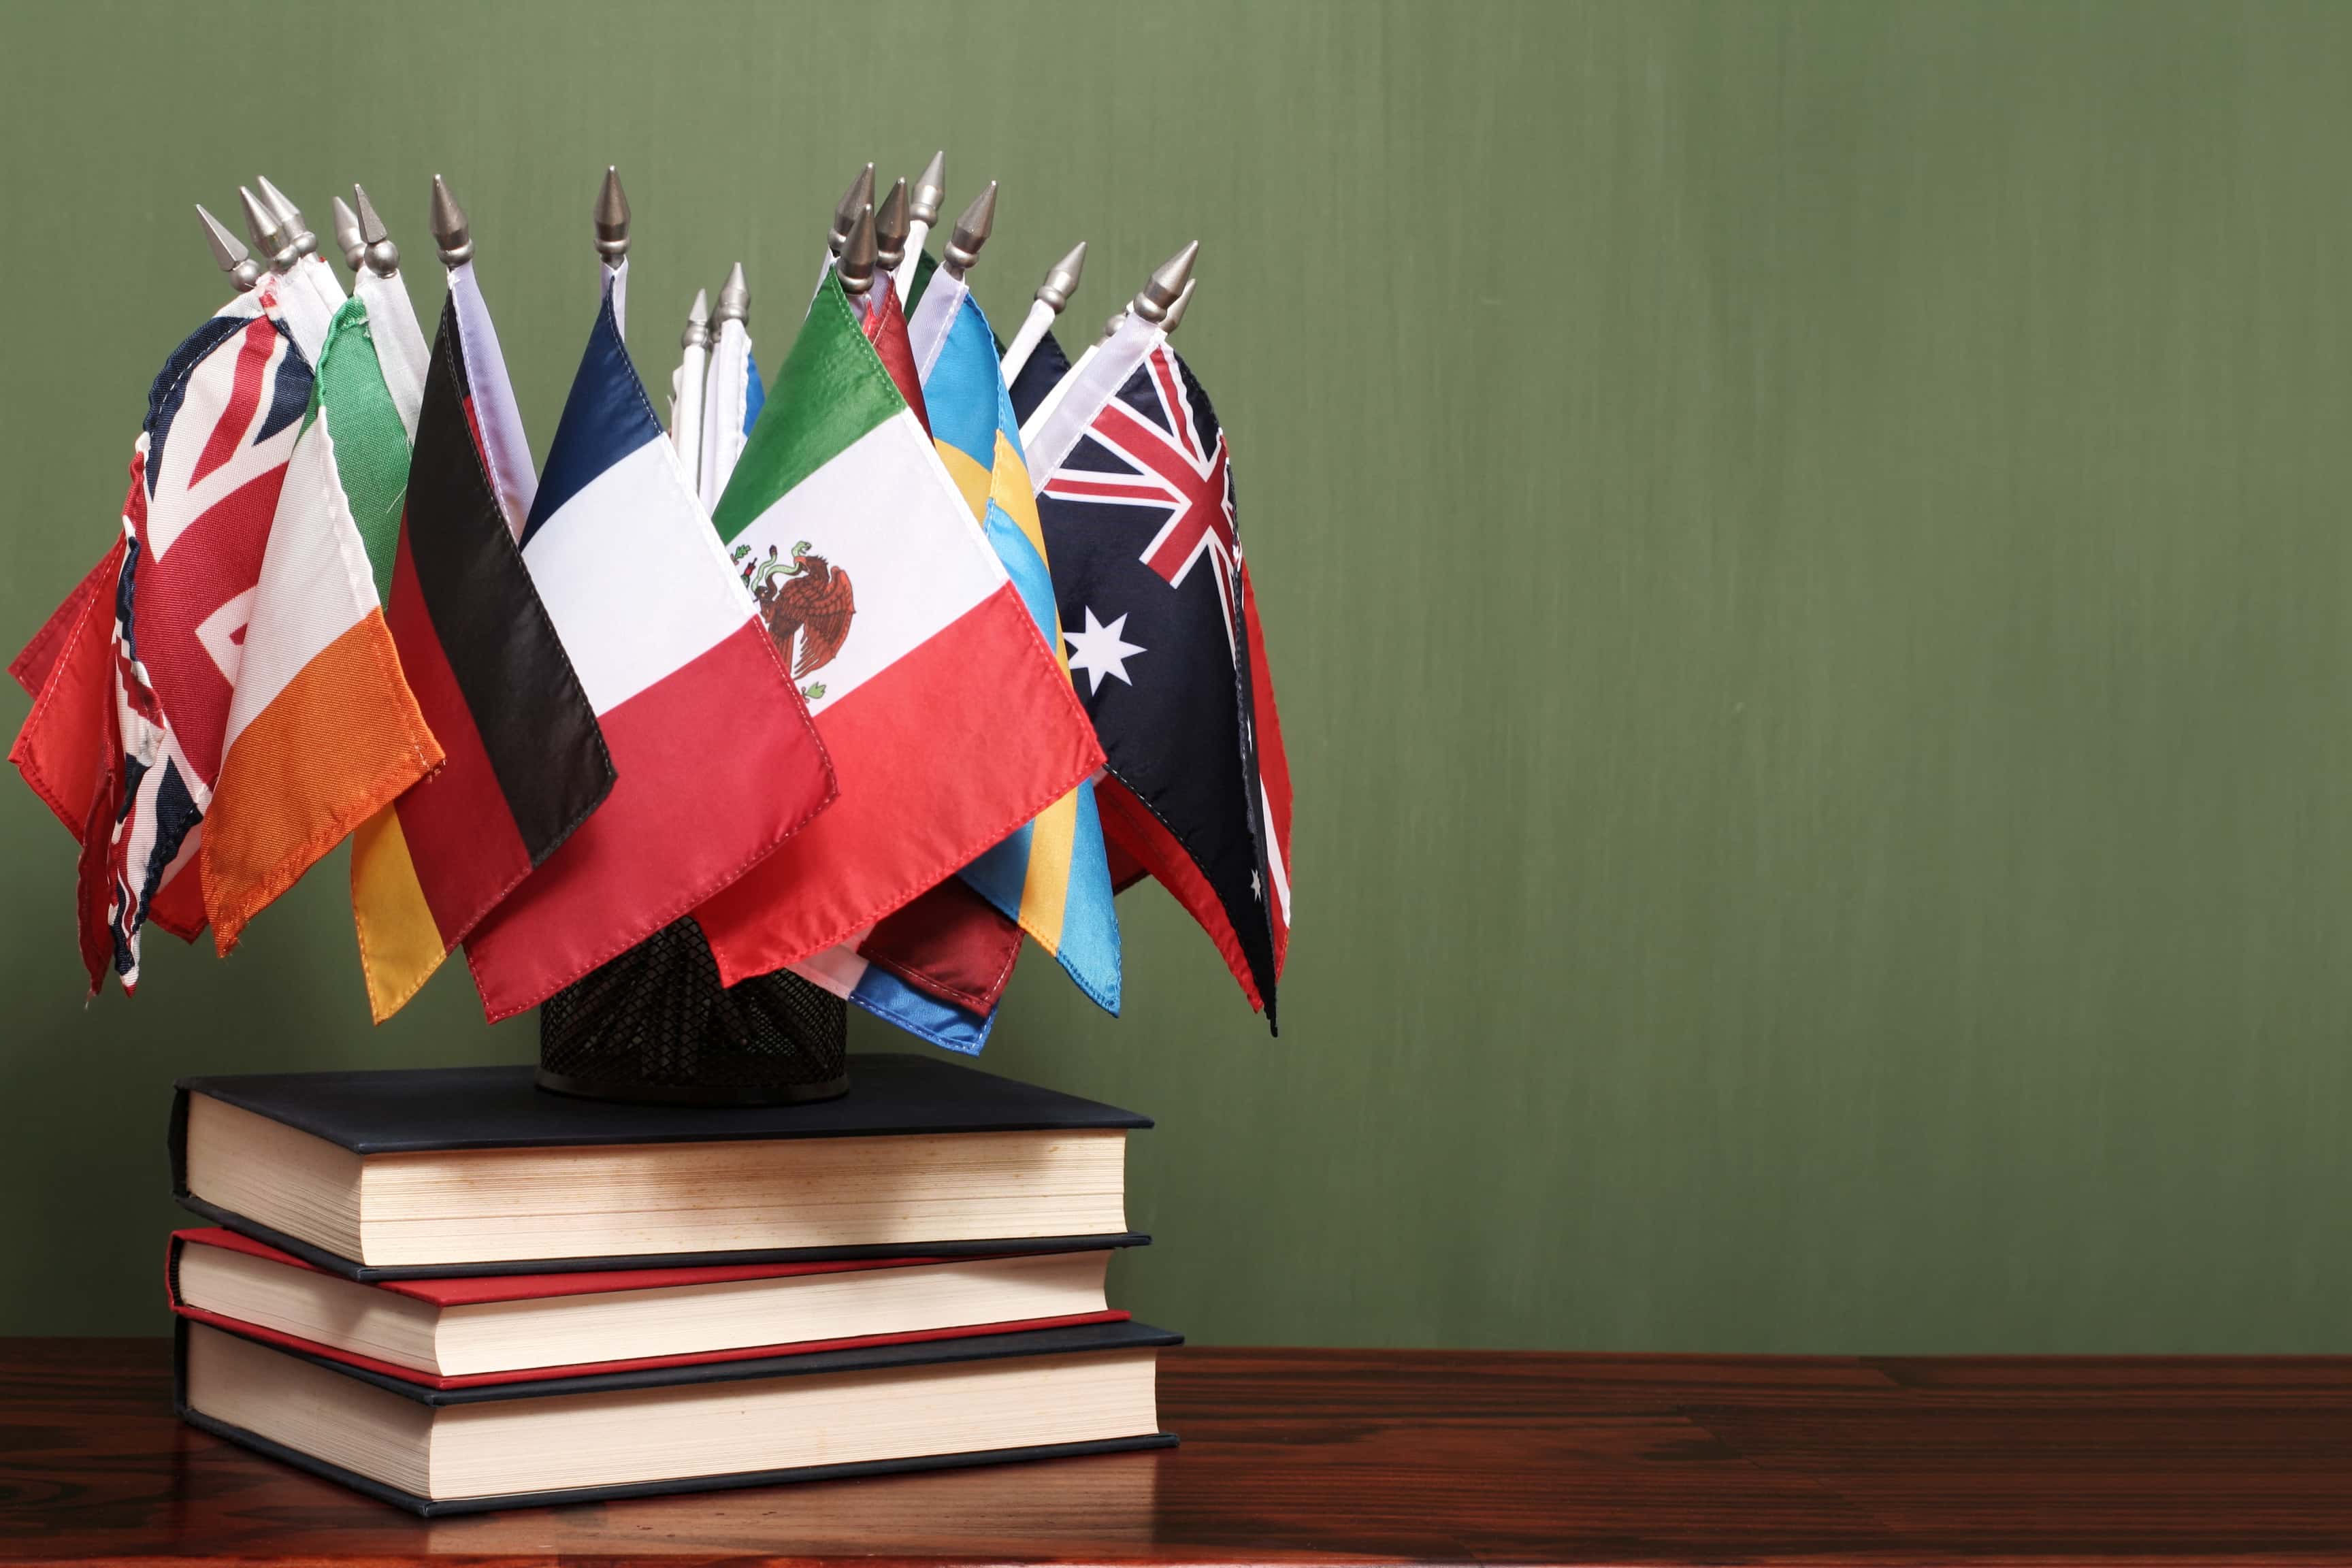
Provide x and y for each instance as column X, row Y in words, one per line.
column 480, row 1331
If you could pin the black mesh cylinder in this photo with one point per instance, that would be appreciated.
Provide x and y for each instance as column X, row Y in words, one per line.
column 655, row 1023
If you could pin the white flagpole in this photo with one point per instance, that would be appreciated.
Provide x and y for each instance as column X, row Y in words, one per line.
column 727, row 389
column 1070, row 409
column 1053, row 295
column 306, row 314
column 686, row 382
column 922, row 212
column 400, row 346
column 611, row 219
column 935, row 312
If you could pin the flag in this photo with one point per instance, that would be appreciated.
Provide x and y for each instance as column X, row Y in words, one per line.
column 717, row 759
column 322, row 730
column 1137, row 503
column 526, row 762
column 948, row 718
column 1050, row 875
column 210, row 461
column 936, row 968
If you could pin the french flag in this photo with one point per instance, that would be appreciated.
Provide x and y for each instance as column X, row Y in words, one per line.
column 717, row 762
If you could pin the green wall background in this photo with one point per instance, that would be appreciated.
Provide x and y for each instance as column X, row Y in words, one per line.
column 1805, row 554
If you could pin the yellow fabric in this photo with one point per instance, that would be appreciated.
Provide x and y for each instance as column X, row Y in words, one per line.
column 969, row 477
column 400, row 946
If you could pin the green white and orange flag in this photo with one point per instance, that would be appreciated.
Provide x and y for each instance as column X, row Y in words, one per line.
column 948, row 718
column 323, row 729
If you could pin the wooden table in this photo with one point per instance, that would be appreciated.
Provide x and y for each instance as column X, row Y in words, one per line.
column 1321, row 1455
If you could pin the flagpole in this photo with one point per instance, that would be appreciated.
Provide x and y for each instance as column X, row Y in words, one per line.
column 891, row 225
column 242, row 270
column 724, row 393
column 935, row 312
column 299, row 306
column 922, row 211
column 854, row 200
column 349, row 238
column 1053, row 296
column 506, row 451
column 400, row 349
column 1160, row 292
column 858, row 256
column 611, row 219
column 685, row 382
column 312, row 268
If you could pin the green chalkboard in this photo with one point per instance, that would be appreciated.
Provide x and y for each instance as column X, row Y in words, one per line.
column 1805, row 554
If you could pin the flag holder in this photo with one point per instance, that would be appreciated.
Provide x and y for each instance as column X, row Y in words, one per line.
column 657, row 1025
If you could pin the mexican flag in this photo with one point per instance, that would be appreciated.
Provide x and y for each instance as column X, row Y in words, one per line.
column 948, row 719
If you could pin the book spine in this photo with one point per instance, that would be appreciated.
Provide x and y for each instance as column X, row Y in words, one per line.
column 175, row 1138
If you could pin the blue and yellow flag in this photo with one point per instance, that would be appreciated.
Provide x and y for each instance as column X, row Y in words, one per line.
column 1051, row 876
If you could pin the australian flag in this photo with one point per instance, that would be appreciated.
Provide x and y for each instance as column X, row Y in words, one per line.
column 1165, row 649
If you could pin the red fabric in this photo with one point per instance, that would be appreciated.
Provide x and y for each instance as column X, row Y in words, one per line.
column 913, row 748
column 32, row 666
column 93, row 869
column 589, row 1368
column 178, row 905
column 1128, row 823
column 67, row 741
column 473, row 1289
column 1273, row 766
column 461, row 835
column 693, row 816
column 949, row 944
column 1126, row 870
column 886, row 329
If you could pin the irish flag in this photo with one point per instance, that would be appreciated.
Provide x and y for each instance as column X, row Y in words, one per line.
column 322, row 730
column 948, row 719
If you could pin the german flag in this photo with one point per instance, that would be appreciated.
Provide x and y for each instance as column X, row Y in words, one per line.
column 526, row 760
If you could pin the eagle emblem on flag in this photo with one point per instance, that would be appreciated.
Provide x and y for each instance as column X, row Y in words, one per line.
column 807, row 604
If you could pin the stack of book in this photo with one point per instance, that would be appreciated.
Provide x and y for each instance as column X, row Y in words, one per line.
column 453, row 1291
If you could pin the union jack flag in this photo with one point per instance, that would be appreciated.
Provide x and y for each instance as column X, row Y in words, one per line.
column 210, row 460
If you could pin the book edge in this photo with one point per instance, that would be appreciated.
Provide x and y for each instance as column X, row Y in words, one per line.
column 427, row 1508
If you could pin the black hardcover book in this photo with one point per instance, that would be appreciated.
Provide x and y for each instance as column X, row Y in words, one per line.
column 275, row 1132
column 234, row 1378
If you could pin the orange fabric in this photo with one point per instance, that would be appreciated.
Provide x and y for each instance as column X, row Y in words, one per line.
column 340, row 741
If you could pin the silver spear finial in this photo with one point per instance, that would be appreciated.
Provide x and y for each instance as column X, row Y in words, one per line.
column 347, row 235
column 305, row 242
column 268, row 232
column 891, row 227
column 857, row 254
column 450, row 232
column 970, row 233
column 1164, row 286
column 930, row 190
column 1062, row 279
column 383, row 256
column 844, row 213
column 235, row 259
column 698, row 322
column 1175, row 317
column 612, row 217
column 734, row 298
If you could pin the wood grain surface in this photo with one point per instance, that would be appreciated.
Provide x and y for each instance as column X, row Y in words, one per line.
column 1804, row 547
column 1333, row 1456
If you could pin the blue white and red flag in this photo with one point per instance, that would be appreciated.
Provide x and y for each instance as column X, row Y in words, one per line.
column 1136, row 499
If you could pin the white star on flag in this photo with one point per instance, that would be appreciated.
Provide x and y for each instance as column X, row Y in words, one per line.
column 1100, row 651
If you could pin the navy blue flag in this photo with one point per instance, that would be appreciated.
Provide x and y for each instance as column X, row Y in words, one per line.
column 1164, row 649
